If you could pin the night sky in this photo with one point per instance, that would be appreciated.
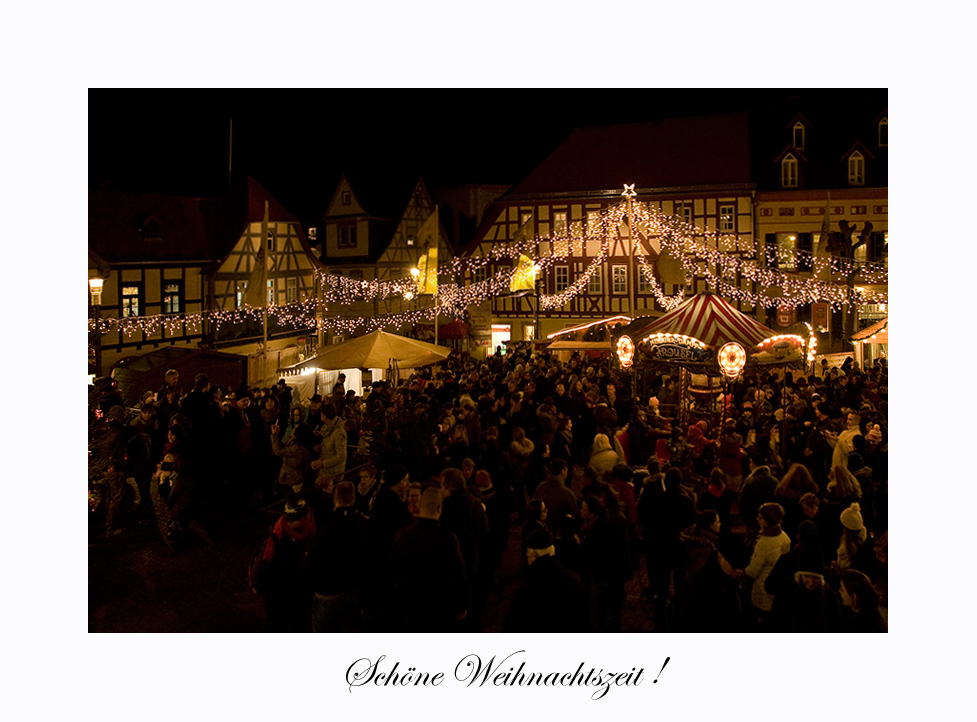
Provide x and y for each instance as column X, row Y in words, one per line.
column 297, row 143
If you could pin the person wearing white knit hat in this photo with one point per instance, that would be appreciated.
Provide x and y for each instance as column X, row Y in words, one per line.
column 853, row 536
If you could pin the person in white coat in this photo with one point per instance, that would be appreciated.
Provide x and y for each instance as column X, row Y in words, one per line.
column 771, row 543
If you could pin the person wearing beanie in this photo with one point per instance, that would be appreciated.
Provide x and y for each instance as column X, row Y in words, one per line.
column 552, row 598
column 771, row 543
column 855, row 548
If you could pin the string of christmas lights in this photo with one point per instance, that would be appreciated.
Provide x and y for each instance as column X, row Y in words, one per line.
column 697, row 249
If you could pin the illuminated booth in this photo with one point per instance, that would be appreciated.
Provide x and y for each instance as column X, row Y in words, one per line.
column 591, row 339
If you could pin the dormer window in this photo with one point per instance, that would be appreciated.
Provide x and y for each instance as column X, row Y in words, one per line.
column 884, row 133
column 856, row 169
column 799, row 135
column 788, row 171
column 150, row 230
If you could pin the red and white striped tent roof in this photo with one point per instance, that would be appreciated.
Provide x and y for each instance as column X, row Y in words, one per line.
column 710, row 319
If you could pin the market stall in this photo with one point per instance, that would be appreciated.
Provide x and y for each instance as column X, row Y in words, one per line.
column 376, row 350
column 872, row 342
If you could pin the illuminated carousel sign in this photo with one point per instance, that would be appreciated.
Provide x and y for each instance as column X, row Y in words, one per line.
column 625, row 351
column 675, row 347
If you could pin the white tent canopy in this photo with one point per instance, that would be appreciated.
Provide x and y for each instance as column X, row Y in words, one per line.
column 375, row 350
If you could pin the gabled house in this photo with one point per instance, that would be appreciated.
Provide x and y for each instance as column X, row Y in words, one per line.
column 175, row 271
column 369, row 233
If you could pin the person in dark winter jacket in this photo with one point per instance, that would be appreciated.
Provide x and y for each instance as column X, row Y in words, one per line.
column 759, row 488
column 552, row 598
column 707, row 599
column 427, row 573
column 861, row 600
column 604, row 547
column 804, row 602
column 669, row 513
column 337, row 564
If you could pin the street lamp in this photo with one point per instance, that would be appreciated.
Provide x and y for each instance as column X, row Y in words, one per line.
column 95, row 291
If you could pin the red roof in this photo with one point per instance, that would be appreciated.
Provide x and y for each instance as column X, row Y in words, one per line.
column 710, row 319
column 709, row 150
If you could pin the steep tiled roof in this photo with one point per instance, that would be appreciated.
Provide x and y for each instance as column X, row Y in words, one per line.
column 126, row 227
column 709, row 150
column 116, row 227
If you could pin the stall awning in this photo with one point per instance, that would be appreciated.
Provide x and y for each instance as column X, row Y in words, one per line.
column 876, row 333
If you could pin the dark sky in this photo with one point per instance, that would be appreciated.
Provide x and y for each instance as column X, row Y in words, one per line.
column 297, row 143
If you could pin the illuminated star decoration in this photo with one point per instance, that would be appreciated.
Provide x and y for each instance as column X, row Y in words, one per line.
column 629, row 191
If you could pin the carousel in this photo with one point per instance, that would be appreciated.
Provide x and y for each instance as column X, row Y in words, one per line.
column 709, row 344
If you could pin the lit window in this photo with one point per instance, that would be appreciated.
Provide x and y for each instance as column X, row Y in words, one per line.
column 644, row 285
column 619, row 278
column 726, row 218
column 241, row 291
column 786, row 251
column 562, row 278
column 560, row 223
column 856, row 169
column 788, row 172
column 884, row 133
column 798, row 135
column 172, row 296
column 595, row 285
column 271, row 292
column 132, row 300
column 593, row 221
column 291, row 290
column 312, row 233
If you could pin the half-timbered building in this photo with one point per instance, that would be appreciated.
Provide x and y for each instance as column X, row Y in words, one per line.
column 175, row 269
column 695, row 168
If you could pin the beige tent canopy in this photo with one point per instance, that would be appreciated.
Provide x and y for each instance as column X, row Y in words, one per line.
column 375, row 350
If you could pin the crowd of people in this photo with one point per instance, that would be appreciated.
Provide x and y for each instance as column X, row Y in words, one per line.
column 762, row 510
